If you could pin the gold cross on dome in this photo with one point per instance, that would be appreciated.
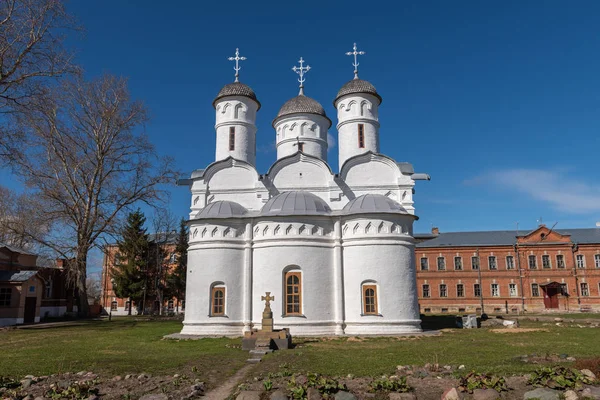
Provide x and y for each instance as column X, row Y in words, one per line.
column 267, row 299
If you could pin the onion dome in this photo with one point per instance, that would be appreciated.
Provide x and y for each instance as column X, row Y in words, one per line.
column 222, row 209
column 236, row 89
column 357, row 86
column 301, row 104
column 373, row 203
column 295, row 203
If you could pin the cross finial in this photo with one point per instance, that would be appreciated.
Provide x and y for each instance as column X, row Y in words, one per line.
column 267, row 299
column 301, row 70
column 237, row 60
column 355, row 53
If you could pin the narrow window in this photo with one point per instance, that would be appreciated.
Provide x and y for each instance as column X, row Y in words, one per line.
column 512, row 289
column 460, row 290
column 475, row 262
column 564, row 290
column 127, row 305
column 424, row 264
column 361, row 136
column 458, row 263
column 546, row 261
column 532, row 262
column 443, row 290
column 510, row 262
column 535, row 290
column 231, row 138
column 441, row 264
column 597, row 260
column 370, row 299
column 580, row 261
column 560, row 261
column 113, row 306
column 426, row 292
column 585, row 291
column 293, row 293
column 301, row 146
column 172, row 258
column 5, row 296
column 495, row 290
column 492, row 262
column 477, row 290
column 218, row 301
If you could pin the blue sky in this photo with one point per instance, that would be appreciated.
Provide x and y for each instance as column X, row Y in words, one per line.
column 498, row 101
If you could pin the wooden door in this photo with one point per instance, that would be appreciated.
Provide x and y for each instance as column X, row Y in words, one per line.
column 30, row 305
column 551, row 297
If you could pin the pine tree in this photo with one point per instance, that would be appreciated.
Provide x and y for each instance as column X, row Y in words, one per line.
column 176, row 279
column 130, row 277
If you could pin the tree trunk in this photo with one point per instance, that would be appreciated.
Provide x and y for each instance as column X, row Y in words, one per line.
column 80, row 280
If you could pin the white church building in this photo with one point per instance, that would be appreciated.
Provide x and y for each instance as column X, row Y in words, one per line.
column 335, row 249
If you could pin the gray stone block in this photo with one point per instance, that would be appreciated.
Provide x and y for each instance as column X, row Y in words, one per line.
column 593, row 392
column 485, row 394
column 542, row 394
column 344, row 396
column 249, row 395
column 278, row 395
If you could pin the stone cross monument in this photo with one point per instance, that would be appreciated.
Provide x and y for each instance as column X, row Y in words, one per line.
column 267, row 317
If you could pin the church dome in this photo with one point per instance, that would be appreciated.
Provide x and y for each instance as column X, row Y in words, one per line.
column 301, row 104
column 236, row 89
column 222, row 209
column 295, row 203
column 373, row 203
column 357, row 86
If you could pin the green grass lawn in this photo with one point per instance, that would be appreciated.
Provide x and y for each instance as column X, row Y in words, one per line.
column 122, row 346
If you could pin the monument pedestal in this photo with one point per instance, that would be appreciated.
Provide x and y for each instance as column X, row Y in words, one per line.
column 267, row 339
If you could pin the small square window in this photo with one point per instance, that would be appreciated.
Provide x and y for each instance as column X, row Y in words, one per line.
column 5, row 297
column 427, row 310
column 444, row 310
column 114, row 306
column 31, row 289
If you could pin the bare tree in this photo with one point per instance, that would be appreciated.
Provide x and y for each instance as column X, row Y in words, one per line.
column 85, row 161
column 164, row 224
column 32, row 34
column 94, row 288
column 19, row 222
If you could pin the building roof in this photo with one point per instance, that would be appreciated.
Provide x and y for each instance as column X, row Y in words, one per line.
column 373, row 203
column 501, row 238
column 163, row 237
column 295, row 203
column 236, row 89
column 357, row 86
column 16, row 276
column 15, row 249
column 222, row 209
column 301, row 104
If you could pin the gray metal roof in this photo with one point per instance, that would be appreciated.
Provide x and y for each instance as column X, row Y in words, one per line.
column 295, row 203
column 236, row 89
column 373, row 203
column 16, row 276
column 301, row 104
column 222, row 209
column 357, row 86
column 502, row 238
column 15, row 249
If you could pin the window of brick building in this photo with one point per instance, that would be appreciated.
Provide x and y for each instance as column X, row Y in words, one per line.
column 441, row 264
column 426, row 292
column 293, row 293
column 427, row 310
column 361, row 136
column 231, row 138
column 5, row 296
column 127, row 305
column 585, row 290
column 560, row 261
column 424, row 264
column 114, row 306
column 546, row 261
column 443, row 290
column 444, row 310
column 370, row 299
column 495, row 290
column 532, row 262
column 477, row 290
column 170, row 305
column 580, row 261
column 475, row 262
column 492, row 262
column 458, row 263
column 460, row 290
column 172, row 258
column 535, row 290
column 564, row 289
column 218, row 301
column 512, row 289
column 597, row 260
column 510, row 262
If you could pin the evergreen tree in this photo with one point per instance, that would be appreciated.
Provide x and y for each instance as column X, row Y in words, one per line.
column 176, row 278
column 130, row 276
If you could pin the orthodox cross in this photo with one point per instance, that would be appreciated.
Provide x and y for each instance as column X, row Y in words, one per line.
column 299, row 144
column 355, row 53
column 301, row 70
column 267, row 299
column 237, row 60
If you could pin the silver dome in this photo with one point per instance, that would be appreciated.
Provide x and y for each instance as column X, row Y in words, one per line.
column 357, row 86
column 236, row 89
column 295, row 203
column 222, row 209
column 373, row 203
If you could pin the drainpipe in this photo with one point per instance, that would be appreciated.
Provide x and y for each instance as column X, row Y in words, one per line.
column 480, row 282
column 516, row 247
column 574, row 248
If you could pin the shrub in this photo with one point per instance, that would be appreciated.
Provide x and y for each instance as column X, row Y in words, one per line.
column 325, row 386
column 391, row 384
column 558, row 378
column 473, row 381
column 77, row 391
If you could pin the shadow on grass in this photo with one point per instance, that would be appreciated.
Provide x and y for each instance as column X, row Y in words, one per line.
column 436, row 322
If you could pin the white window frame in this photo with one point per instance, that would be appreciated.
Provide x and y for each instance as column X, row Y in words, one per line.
column 586, row 292
column 510, row 265
column 495, row 290
column 445, row 290
column 597, row 260
column 535, row 293
column 560, row 264
column 443, row 264
column 546, row 257
column 512, row 290
column 426, row 264
column 459, row 258
column 428, row 290
column 580, row 261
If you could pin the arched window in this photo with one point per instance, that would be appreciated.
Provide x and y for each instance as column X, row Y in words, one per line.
column 369, row 293
column 217, row 301
column 293, row 293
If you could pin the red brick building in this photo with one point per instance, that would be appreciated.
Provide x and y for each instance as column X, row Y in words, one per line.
column 502, row 271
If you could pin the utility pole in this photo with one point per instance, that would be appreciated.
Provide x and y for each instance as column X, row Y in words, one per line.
column 516, row 247
column 480, row 282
